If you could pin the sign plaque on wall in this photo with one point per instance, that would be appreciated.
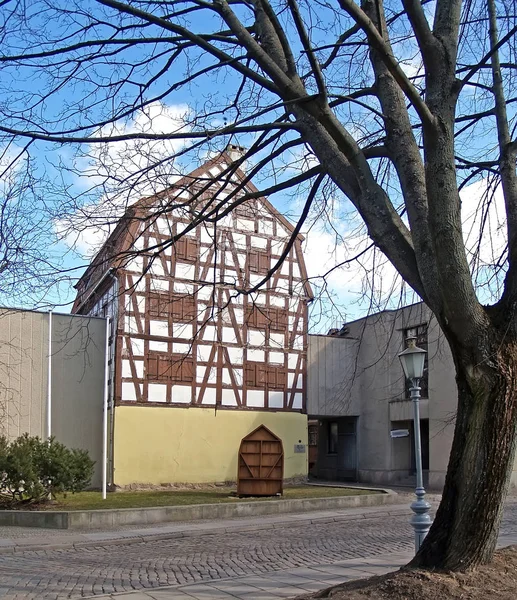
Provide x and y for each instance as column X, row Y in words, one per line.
column 399, row 433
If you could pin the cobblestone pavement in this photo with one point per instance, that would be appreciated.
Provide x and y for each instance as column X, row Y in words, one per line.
column 74, row 573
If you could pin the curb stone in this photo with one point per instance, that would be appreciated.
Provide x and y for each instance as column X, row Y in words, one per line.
column 139, row 537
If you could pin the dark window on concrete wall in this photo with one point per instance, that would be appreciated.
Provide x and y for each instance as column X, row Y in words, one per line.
column 332, row 437
column 420, row 332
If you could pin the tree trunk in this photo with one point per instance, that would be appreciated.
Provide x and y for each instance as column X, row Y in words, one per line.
column 464, row 532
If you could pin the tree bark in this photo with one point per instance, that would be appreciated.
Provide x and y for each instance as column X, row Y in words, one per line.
column 465, row 530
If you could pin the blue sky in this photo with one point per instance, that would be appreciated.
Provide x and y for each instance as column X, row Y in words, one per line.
column 72, row 175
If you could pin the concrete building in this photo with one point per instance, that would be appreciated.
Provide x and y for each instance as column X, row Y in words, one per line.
column 359, row 398
column 199, row 360
column 72, row 361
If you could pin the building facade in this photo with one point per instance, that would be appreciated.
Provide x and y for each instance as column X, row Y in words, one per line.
column 52, row 379
column 359, row 399
column 198, row 359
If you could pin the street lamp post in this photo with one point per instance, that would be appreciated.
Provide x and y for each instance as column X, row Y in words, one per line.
column 413, row 359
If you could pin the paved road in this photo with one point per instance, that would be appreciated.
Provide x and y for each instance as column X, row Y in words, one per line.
column 74, row 573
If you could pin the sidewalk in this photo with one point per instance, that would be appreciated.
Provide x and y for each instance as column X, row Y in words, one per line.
column 23, row 539
column 288, row 583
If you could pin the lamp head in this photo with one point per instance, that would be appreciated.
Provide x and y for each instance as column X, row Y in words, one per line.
column 412, row 360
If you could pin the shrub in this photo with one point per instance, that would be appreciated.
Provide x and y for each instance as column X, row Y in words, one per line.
column 32, row 469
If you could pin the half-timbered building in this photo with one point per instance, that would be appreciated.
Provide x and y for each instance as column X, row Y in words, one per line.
column 209, row 338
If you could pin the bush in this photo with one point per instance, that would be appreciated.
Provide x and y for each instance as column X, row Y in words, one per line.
column 32, row 469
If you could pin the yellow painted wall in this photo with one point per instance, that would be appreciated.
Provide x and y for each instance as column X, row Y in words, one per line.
column 195, row 445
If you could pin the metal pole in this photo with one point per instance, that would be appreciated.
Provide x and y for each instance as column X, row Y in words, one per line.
column 105, row 412
column 49, row 377
column 421, row 520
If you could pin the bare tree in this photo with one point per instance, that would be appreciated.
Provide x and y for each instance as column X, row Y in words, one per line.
column 398, row 108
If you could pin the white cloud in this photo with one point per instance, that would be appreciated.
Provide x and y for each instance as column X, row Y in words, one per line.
column 120, row 173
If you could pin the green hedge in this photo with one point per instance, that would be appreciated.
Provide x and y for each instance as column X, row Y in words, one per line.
column 33, row 470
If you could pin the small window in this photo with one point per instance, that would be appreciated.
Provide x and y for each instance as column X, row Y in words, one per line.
column 332, row 437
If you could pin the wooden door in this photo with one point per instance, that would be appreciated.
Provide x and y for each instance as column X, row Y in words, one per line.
column 261, row 464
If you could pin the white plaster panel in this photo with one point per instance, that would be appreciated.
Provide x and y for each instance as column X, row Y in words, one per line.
column 262, row 298
column 285, row 268
column 185, row 271
column 255, row 279
column 139, row 368
column 179, row 348
column 182, row 330
column 258, row 242
column 183, row 194
column 228, row 259
column 298, row 342
column 292, row 379
column 135, row 264
column 210, row 333
column 277, row 247
column 236, row 355
column 157, row 392
column 296, row 270
column 276, row 358
column 182, row 394
column 256, row 337
column 139, row 243
column 209, row 396
column 239, row 315
column 164, row 227
column 159, row 328
column 277, row 301
column 137, row 346
column 255, row 398
column 140, row 300
column 190, row 233
column 240, row 240
column 266, row 226
column 215, row 171
column 158, row 346
column 228, row 398
column 292, row 361
column 276, row 399
column 203, row 353
column 244, row 224
column 183, row 288
column 256, row 355
column 207, row 236
column 229, row 335
column 242, row 260
column 227, row 220
column 159, row 285
column 205, row 292
column 298, row 401
column 226, row 377
column 126, row 369
column 156, row 267
column 277, row 339
column 140, row 285
column 130, row 325
column 128, row 391
column 237, row 373
column 281, row 231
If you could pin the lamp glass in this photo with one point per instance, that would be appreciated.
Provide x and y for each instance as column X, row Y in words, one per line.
column 413, row 360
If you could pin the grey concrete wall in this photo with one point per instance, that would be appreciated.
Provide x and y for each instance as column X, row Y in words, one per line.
column 78, row 349
column 330, row 378
column 365, row 363
column 23, row 372
column 77, row 378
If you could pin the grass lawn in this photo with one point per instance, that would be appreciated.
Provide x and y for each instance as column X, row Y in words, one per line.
column 93, row 500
